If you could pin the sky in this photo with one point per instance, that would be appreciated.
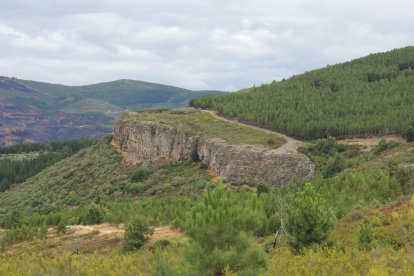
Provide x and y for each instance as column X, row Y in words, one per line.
column 195, row 44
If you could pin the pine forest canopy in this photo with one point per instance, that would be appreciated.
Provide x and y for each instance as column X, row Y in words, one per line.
column 373, row 95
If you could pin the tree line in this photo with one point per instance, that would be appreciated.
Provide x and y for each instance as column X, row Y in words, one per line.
column 367, row 96
column 16, row 166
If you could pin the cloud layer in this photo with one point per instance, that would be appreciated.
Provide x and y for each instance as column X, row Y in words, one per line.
column 196, row 44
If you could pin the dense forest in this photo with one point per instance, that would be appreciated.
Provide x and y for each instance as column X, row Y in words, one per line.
column 372, row 95
column 19, row 162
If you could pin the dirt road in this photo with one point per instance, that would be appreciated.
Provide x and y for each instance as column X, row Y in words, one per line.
column 290, row 146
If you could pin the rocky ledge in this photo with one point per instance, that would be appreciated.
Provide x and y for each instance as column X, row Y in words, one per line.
column 240, row 163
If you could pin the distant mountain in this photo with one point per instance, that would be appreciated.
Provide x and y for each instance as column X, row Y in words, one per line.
column 373, row 95
column 44, row 112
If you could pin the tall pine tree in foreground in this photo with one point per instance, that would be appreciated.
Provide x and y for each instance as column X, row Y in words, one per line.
column 221, row 233
column 310, row 220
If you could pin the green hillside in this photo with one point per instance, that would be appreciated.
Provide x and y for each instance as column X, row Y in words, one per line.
column 94, row 174
column 373, row 95
column 45, row 112
column 357, row 220
column 121, row 94
column 20, row 162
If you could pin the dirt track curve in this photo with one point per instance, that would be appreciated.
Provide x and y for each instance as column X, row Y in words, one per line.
column 291, row 144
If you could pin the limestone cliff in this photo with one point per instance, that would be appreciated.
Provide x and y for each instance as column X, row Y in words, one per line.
column 240, row 163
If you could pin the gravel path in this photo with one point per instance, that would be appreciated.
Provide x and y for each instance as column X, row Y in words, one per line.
column 291, row 144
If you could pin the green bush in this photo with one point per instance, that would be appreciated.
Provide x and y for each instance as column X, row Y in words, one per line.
column 262, row 188
column 194, row 155
column 136, row 234
column 94, row 215
column 271, row 142
column 385, row 145
column 333, row 166
column 139, row 175
column 61, row 227
column 366, row 235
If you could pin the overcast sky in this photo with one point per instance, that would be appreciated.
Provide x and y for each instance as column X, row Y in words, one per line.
column 195, row 44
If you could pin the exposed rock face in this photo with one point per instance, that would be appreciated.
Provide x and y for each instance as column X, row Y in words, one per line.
column 237, row 163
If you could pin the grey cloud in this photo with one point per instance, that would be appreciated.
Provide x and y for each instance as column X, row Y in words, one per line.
column 195, row 44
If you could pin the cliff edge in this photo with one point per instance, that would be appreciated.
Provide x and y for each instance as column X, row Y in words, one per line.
column 177, row 135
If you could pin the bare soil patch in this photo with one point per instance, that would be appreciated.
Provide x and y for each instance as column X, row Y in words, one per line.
column 366, row 144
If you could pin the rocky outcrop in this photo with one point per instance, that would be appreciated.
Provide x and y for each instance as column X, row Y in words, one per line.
column 240, row 163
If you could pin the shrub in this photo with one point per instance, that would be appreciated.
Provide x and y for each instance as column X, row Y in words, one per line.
column 43, row 231
column 139, row 175
column 194, row 155
column 262, row 188
column 161, row 244
column 136, row 234
column 333, row 166
column 385, row 145
column 135, row 188
column 271, row 142
column 94, row 215
column 13, row 219
column 366, row 235
column 61, row 227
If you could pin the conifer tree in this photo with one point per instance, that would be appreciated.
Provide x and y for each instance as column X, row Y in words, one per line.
column 310, row 219
column 136, row 234
column 221, row 232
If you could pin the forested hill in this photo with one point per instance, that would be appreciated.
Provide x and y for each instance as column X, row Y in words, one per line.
column 45, row 112
column 373, row 95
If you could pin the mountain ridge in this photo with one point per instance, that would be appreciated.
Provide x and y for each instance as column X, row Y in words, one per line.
column 44, row 112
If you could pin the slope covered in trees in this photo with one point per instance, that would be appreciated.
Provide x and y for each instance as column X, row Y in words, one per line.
column 280, row 231
column 373, row 95
column 19, row 162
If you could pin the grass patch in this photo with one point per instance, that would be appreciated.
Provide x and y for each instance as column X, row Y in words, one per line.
column 207, row 126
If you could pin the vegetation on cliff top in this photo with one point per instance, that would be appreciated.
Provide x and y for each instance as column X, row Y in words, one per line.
column 205, row 125
column 367, row 96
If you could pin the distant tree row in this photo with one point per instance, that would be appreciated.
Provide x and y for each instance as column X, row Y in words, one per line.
column 17, row 168
column 368, row 96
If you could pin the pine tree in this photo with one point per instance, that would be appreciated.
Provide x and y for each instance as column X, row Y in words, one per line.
column 310, row 219
column 221, row 233
column 43, row 231
column 61, row 227
column 194, row 155
column 366, row 235
column 136, row 234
